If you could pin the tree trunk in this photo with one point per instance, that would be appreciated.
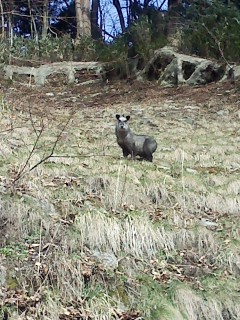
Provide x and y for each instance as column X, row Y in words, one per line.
column 129, row 18
column 10, row 36
column 2, row 21
column 83, row 18
column 45, row 19
column 9, row 8
column 34, row 32
column 117, row 5
column 96, row 32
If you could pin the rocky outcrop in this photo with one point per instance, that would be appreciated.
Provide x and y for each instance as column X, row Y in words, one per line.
column 69, row 68
column 167, row 67
column 170, row 68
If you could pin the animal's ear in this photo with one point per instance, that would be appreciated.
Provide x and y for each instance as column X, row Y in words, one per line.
column 117, row 116
column 127, row 117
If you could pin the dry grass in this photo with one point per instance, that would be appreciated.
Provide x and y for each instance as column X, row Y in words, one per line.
column 193, row 305
column 89, row 235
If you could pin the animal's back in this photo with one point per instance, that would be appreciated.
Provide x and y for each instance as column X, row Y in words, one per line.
column 144, row 144
column 150, row 144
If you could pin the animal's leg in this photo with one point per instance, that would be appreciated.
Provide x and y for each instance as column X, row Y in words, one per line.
column 148, row 157
column 125, row 152
column 133, row 153
column 133, row 156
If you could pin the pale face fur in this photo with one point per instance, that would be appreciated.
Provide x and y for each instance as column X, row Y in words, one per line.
column 122, row 124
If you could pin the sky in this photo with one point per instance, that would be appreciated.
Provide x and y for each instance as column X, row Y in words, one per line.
column 110, row 17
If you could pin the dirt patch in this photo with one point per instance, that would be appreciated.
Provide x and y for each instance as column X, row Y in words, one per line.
column 210, row 98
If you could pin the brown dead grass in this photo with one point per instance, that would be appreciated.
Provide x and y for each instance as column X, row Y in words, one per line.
column 145, row 219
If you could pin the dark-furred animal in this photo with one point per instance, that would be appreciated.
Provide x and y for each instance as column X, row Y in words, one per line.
column 131, row 143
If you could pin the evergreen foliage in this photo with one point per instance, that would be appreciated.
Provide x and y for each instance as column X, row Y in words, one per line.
column 208, row 29
column 212, row 30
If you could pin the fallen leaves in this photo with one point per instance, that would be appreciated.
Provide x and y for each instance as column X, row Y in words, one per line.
column 20, row 298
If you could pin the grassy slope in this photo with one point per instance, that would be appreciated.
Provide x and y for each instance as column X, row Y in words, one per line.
column 89, row 235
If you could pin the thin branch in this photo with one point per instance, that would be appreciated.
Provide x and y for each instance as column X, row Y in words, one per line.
column 162, row 4
column 124, row 183
column 231, row 74
column 53, row 148
column 20, row 174
column 108, row 34
column 218, row 44
column 31, row 118
column 84, row 156
column 11, row 129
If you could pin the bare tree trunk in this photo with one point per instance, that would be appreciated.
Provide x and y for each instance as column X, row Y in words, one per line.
column 10, row 35
column 33, row 27
column 9, row 6
column 10, row 29
column 45, row 19
column 79, row 17
column 96, row 32
column 100, row 18
column 128, row 9
column 117, row 5
column 2, row 21
column 83, row 18
column 31, row 23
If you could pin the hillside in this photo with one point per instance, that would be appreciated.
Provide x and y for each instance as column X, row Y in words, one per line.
column 86, row 234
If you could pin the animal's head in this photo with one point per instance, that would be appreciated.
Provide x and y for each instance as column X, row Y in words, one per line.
column 122, row 122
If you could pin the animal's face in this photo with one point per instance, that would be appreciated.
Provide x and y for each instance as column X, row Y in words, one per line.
column 122, row 122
